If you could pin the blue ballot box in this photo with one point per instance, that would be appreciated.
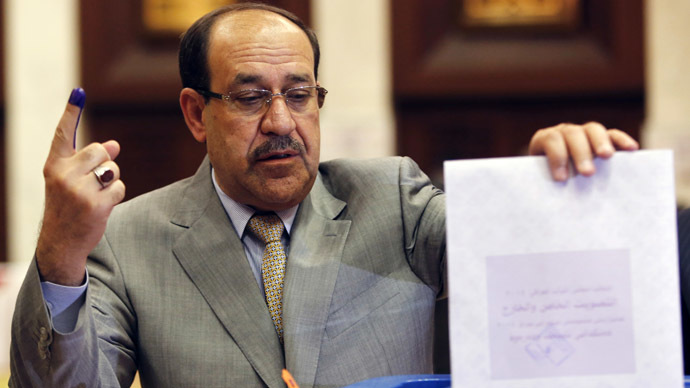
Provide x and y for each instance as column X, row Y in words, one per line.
column 420, row 381
column 405, row 381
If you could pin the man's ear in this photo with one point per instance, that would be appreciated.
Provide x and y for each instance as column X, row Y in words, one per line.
column 193, row 104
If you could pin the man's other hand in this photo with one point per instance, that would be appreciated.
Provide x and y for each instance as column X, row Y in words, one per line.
column 581, row 143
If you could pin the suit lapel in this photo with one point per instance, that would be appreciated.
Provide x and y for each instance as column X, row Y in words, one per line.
column 214, row 259
column 316, row 248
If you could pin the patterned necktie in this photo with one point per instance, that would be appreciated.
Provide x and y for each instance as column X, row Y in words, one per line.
column 269, row 228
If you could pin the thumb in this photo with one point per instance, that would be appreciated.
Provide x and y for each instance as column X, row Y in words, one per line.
column 64, row 140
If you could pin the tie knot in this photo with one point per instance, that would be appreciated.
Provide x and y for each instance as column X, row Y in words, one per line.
column 268, row 228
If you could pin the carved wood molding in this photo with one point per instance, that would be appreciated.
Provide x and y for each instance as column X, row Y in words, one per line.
column 434, row 56
column 123, row 64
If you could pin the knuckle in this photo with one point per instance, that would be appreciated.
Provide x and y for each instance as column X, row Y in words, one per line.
column 94, row 152
column 554, row 135
column 115, row 168
column 558, row 129
column 572, row 130
column 117, row 190
column 52, row 167
column 542, row 134
column 548, row 141
column 594, row 127
column 47, row 170
column 536, row 138
column 88, row 153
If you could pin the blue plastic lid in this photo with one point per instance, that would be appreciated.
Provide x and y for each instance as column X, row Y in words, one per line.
column 405, row 381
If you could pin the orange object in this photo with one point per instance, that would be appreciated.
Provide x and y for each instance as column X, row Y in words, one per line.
column 289, row 380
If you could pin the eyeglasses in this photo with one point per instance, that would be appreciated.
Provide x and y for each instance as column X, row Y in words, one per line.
column 252, row 101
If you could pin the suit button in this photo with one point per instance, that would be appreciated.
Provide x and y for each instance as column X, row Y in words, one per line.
column 43, row 333
column 43, row 351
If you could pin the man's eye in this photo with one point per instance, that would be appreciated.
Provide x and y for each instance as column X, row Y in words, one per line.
column 299, row 96
column 251, row 98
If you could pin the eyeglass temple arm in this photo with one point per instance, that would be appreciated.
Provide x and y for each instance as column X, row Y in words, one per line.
column 208, row 93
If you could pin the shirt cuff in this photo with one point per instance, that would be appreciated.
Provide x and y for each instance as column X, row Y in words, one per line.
column 64, row 303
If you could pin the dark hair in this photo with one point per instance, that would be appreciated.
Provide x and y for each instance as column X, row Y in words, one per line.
column 193, row 54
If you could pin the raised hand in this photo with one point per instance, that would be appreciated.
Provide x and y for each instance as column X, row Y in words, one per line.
column 81, row 188
column 581, row 143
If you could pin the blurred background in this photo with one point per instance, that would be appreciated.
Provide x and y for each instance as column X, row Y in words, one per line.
column 430, row 79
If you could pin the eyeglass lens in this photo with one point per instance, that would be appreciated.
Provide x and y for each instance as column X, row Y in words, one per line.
column 298, row 100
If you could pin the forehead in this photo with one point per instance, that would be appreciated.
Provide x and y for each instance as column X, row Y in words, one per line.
column 257, row 41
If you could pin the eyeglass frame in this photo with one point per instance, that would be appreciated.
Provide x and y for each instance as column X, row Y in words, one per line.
column 320, row 91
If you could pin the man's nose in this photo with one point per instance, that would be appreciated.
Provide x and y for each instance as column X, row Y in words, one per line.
column 278, row 119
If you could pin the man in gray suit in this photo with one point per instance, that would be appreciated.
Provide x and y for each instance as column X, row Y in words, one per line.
column 176, row 284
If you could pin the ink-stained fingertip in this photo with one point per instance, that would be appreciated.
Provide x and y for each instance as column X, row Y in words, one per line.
column 78, row 97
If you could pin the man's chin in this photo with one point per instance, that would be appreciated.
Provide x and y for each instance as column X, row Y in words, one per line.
column 282, row 193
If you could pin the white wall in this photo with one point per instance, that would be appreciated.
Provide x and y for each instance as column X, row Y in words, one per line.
column 357, row 118
column 41, row 70
column 668, row 86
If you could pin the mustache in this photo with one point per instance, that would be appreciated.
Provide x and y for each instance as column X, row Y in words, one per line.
column 278, row 143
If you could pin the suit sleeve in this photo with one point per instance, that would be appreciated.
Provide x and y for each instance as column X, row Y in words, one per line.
column 97, row 353
column 424, row 225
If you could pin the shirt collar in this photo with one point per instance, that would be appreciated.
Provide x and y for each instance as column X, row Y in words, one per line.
column 240, row 214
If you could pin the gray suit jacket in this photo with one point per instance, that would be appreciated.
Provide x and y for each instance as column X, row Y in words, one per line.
column 171, row 293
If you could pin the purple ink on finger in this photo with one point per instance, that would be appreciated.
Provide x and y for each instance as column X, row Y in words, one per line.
column 77, row 98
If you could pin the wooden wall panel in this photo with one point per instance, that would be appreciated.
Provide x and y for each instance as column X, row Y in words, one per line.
column 132, row 84
column 435, row 56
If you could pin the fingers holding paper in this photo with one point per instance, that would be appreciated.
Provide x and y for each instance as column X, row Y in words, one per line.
column 581, row 143
column 81, row 189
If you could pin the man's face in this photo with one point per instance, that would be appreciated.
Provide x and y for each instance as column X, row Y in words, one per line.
column 267, row 160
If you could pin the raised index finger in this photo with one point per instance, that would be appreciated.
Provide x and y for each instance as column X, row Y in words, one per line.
column 64, row 141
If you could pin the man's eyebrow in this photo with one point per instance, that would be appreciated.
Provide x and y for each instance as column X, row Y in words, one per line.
column 243, row 79
column 298, row 78
column 246, row 79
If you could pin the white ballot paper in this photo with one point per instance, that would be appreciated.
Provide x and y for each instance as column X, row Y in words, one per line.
column 563, row 284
